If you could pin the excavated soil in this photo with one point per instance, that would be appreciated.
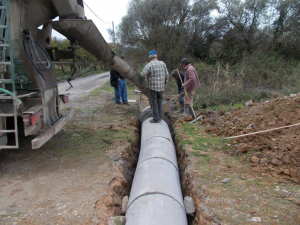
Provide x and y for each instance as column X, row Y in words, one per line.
column 275, row 152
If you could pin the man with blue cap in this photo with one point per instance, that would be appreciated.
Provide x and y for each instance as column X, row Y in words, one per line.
column 157, row 75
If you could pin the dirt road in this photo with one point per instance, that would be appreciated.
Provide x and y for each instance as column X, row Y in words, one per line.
column 61, row 182
column 83, row 85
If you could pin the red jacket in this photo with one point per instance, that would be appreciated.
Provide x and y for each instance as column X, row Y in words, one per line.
column 191, row 80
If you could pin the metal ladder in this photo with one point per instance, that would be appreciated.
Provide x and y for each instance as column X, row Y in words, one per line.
column 5, row 43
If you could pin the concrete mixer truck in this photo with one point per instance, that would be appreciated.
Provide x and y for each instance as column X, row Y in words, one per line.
column 29, row 97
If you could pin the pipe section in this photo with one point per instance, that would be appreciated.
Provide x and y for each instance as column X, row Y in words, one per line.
column 89, row 37
column 156, row 196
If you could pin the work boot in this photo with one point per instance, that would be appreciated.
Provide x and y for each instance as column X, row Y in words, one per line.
column 188, row 111
column 155, row 121
column 181, row 109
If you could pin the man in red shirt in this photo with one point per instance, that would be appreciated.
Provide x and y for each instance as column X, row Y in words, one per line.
column 191, row 83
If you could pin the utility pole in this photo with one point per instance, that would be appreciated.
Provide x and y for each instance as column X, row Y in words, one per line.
column 113, row 25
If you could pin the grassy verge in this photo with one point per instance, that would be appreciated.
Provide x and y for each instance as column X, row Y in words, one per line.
column 98, row 124
column 246, row 194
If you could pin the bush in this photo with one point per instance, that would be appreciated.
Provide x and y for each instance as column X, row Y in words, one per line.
column 255, row 77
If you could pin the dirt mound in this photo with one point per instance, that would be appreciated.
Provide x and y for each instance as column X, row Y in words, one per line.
column 277, row 152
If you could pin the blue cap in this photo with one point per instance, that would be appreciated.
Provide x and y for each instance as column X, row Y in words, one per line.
column 152, row 52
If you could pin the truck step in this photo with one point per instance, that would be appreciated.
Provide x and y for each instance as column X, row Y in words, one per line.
column 6, row 81
column 6, row 114
column 7, row 131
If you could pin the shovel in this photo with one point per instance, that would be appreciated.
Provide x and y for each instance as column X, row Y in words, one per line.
column 164, row 103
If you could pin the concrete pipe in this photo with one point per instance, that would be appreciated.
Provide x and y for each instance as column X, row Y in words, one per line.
column 89, row 37
column 156, row 196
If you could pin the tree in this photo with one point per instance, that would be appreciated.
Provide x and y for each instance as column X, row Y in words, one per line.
column 286, row 27
column 244, row 21
column 156, row 24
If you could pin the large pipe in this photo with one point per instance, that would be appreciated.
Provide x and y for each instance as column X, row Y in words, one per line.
column 156, row 196
column 89, row 37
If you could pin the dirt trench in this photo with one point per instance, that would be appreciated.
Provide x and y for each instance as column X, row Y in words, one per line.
column 110, row 205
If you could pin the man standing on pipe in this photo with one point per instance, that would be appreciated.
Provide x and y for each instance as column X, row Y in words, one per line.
column 157, row 75
column 191, row 83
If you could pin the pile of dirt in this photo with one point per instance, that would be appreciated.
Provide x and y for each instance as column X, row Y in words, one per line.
column 276, row 152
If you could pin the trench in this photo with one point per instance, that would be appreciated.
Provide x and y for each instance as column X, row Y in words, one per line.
column 125, row 166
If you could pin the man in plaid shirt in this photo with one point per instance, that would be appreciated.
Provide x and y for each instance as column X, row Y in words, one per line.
column 157, row 75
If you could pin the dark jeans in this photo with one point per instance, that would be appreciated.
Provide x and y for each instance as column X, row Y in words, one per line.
column 121, row 91
column 155, row 99
column 181, row 99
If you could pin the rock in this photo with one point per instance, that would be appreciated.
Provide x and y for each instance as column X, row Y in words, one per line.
column 254, row 159
column 189, row 206
column 249, row 103
column 264, row 161
column 116, row 158
column 287, row 159
column 274, row 162
column 118, row 220
column 297, row 201
column 243, row 177
column 256, row 219
column 293, row 95
column 124, row 204
column 225, row 181
column 242, row 147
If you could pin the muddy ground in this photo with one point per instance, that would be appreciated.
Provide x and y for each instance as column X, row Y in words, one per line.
column 82, row 173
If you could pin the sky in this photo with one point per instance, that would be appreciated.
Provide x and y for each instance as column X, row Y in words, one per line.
column 106, row 10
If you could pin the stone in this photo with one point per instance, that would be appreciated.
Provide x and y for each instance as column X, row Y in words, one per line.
column 225, row 181
column 249, row 103
column 287, row 159
column 118, row 220
column 256, row 219
column 189, row 206
column 124, row 204
column 242, row 147
column 264, row 161
column 254, row 159
column 274, row 162
column 297, row 201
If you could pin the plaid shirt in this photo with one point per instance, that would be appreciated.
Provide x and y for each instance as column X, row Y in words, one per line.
column 157, row 75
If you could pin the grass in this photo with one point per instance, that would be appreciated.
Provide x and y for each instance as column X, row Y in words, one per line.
column 197, row 138
column 89, row 135
column 247, row 194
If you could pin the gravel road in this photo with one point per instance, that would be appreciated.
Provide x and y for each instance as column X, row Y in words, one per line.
column 83, row 85
column 61, row 182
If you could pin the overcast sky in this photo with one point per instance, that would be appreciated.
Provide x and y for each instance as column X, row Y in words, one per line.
column 106, row 10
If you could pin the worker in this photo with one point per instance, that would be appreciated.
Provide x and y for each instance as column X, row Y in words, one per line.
column 119, row 83
column 156, row 73
column 180, row 91
column 191, row 83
